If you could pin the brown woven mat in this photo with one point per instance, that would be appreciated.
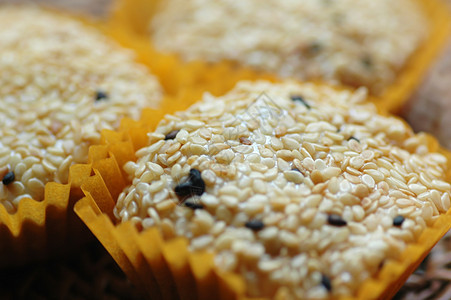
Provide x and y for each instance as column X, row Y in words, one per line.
column 94, row 275
column 433, row 277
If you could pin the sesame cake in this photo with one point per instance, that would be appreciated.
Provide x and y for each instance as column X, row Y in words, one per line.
column 357, row 43
column 61, row 83
column 303, row 190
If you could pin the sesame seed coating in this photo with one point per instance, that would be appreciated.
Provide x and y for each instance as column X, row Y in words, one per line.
column 294, row 174
column 358, row 43
column 53, row 69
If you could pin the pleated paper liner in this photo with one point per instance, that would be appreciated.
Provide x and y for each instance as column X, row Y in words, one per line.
column 167, row 269
column 132, row 18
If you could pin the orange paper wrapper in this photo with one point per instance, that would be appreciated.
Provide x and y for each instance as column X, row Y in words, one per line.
column 167, row 269
column 131, row 18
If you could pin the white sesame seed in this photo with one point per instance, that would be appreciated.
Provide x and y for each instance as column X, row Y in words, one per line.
column 368, row 180
column 330, row 172
column 294, row 176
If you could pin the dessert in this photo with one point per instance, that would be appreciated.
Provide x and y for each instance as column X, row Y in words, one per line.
column 302, row 190
column 364, row 43
column 61, row 83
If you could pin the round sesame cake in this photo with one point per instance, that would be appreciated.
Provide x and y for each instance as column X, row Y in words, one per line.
column 61, row 83
column 303, row 190
column 356, row 43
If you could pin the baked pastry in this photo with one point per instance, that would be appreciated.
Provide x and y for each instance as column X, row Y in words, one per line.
column 364, row 43
column 61, row 83
column 301, row 190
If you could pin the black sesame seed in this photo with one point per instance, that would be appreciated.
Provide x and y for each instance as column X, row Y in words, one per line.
column 325, row 281
column 254, row 225
column 194, row 205
column 336, row 220
column 193, row 186
column 184, row 189
column 196, row 177
column 100, row 95
column 353, row 138
column 300, row 99
column 188, row 189
column 171, row 135
column 398, row 220
column 314, row 48
column 8, row 178
column 367, row 61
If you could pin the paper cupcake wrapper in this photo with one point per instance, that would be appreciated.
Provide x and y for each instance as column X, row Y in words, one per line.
column 131, row 18
column 167, row 269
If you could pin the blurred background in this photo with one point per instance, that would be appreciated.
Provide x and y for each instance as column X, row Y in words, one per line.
column 94, row 275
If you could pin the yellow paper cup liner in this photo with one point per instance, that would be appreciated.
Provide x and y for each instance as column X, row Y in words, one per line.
column 167, row 269
column 131, row 18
